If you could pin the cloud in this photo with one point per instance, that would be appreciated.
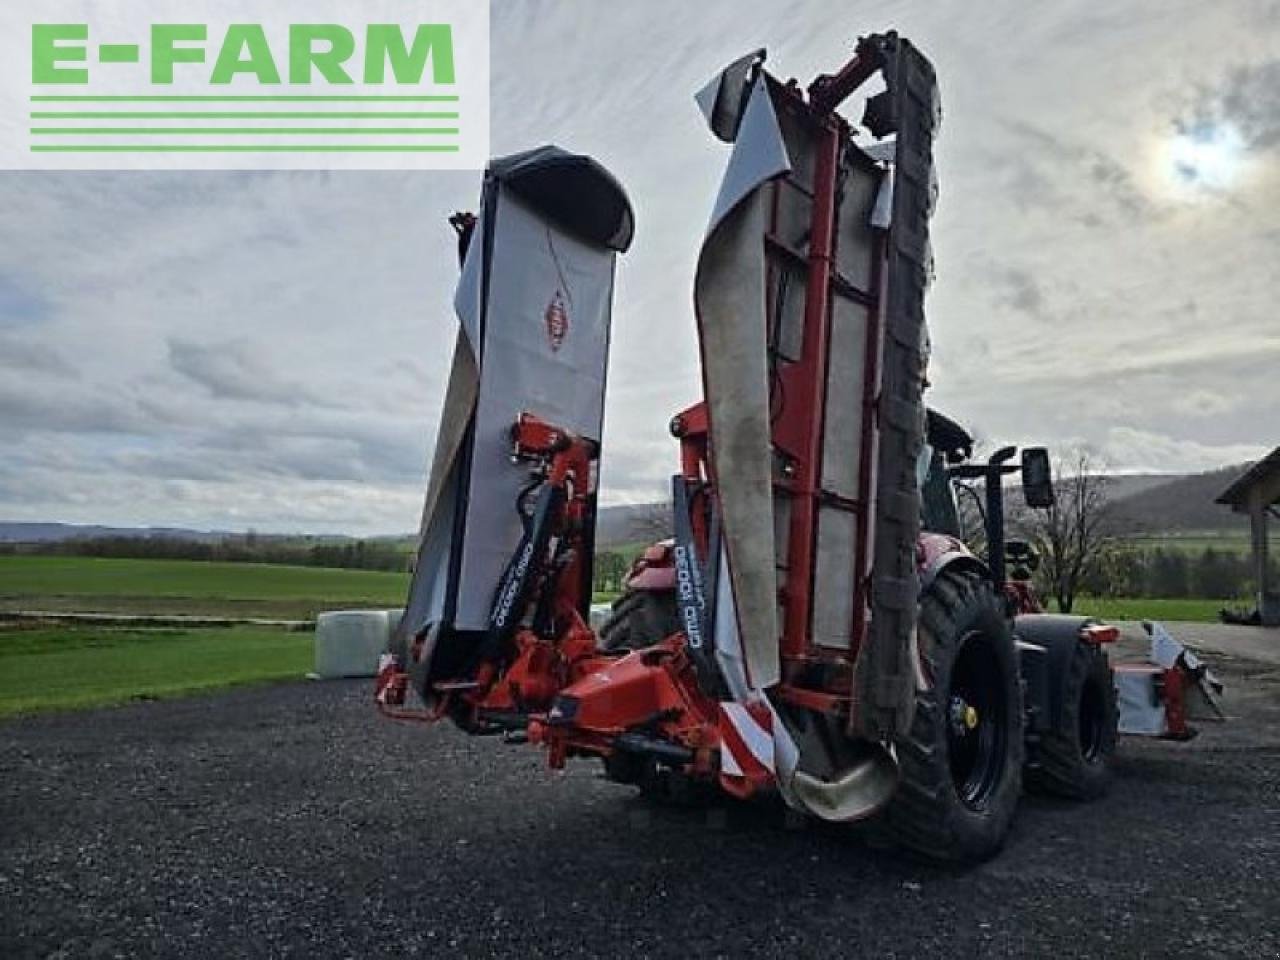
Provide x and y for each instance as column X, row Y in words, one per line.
column 1018, row 289
column 1159, row 453
column 234, row 370
column 1205, row 403
column 220, row 350
column 18, row 354
column 1084, row 177
column 20, row 306
column 50, row 406
column 1247, row 98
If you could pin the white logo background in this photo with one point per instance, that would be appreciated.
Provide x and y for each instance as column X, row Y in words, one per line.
column 115, row 122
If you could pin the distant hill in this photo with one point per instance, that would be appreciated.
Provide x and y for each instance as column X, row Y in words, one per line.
column 632, row 523
column 57, row 532
column 1180, row 503
column 1155, row 503
column 31, row 533
column 1124, row 485
column 618, row 525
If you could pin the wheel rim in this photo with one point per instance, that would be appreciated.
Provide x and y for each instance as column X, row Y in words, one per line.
column 1091, row 723
column 976, row 715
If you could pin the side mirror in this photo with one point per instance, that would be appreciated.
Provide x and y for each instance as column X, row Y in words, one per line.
column 1037, row 478
column 1019, row 553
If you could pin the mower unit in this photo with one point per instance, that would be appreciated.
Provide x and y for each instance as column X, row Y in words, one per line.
column 817, row 626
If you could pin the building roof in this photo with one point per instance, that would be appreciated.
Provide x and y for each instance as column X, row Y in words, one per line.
column 1264, row 471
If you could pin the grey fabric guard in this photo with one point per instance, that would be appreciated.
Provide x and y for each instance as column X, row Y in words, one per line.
column 531, row 261
column 431, row 564
column 729, row 298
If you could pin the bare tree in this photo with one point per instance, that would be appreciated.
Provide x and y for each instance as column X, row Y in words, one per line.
column 1075, row 535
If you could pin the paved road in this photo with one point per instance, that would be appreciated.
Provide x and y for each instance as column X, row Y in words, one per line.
column 290, row 821
column 1254, row 643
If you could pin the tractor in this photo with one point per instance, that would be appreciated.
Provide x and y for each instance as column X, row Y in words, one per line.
column 1018, row 686
column 816, row 628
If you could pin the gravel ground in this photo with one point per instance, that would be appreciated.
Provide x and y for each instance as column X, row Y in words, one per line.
column 291, row 821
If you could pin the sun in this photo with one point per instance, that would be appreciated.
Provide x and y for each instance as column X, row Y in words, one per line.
column 1203, row 160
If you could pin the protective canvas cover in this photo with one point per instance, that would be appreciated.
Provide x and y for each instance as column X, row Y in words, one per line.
column 534, row 307
column 729, row 297
column 751, row 296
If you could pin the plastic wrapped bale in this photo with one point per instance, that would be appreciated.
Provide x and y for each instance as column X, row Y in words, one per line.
column 349, row 642
column 393, row 620
column 599, row 615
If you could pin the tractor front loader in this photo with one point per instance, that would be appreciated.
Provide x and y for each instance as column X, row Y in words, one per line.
column 816, row 627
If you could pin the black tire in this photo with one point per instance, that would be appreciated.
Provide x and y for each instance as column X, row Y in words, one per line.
column 961, row 762
column 639, row 619
column 1075, row 755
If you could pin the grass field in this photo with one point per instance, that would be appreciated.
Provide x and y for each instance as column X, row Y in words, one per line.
column 64, row 668
column 61, row 667
column 1196, row 541
column 92, row 584
column 46, row 668
column 1138, row 608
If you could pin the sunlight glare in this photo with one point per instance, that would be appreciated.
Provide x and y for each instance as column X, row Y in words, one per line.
column 1205, row 159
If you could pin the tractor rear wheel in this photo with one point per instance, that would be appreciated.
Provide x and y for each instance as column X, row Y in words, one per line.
column 639, row 619
column 1074, row 756
column 961, row 762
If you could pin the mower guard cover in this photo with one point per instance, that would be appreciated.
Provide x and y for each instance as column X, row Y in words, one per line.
column 753, row 293
column 729, row 298
column 534, row 304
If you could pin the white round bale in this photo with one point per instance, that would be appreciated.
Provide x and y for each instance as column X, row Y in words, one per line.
column 393, row 619
column 349, row 642
column 599, row 614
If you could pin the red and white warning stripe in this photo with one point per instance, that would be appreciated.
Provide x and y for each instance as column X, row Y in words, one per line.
column 746, row 745
column 389, row 687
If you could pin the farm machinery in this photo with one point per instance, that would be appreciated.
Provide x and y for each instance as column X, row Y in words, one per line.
column 817, row 627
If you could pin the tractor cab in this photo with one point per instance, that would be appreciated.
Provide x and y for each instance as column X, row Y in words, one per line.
column 947, row 474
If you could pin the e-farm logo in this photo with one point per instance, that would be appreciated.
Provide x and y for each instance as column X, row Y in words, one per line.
column 236, row 84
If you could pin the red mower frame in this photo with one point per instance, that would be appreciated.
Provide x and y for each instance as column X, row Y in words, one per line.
column 539, row 675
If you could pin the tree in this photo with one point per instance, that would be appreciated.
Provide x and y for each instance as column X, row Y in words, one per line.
column 610, row 570
column 1169, row 574
column 1216, row 574
column 1122, row 573
column 1076, row 534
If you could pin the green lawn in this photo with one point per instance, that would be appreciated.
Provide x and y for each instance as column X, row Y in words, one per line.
column 1137, row 608
column 1195, row 541
column 76, row 667
column 61, row 667
column 92, row 584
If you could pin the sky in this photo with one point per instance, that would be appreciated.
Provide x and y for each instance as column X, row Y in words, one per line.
column 268, row 351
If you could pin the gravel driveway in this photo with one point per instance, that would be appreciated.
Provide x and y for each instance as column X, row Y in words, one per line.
column 291, row 821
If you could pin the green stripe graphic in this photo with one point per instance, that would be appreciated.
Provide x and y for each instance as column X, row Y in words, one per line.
column 259, row 131
column 207, row 108
column 243, row 99
column 244, row 148
column 256, row 115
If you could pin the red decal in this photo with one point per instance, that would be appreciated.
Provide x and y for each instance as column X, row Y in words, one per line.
column 557, row 321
